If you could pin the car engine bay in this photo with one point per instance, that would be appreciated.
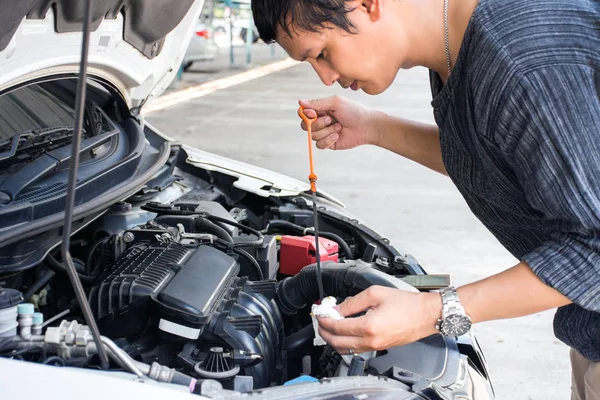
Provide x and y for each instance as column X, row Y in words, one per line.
column 189, row 290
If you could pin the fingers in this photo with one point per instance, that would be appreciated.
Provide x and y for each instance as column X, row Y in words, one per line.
column 320, row 123
column 328, row 142
column 327, row 137
column 366, row 299
column 344, row 327
column 308, row 112
column 343, row 343
column 325, row 131
column 321, row 105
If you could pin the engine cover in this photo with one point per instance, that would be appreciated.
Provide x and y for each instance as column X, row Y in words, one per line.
column 188, row 300
column 184, row 283
column 189, row 291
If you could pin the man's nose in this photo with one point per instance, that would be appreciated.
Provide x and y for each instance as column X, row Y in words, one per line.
column 327, row 74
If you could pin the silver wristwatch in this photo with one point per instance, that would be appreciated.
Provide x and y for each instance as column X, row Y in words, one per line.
column 454, row 321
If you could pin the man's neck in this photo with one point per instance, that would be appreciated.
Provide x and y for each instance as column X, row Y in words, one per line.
column 424, row 22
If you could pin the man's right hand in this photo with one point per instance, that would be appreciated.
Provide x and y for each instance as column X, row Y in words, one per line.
column 341, row 125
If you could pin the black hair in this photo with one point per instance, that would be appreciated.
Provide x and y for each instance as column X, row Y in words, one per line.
column 299, row 15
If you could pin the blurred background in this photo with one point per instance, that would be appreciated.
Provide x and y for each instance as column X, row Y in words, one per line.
column 226, row 41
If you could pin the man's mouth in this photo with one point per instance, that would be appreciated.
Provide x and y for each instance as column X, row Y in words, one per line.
column 352, row 85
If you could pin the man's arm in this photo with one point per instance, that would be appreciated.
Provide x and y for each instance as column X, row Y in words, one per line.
column 513, row 293
column 413, row 140
column 343, row 124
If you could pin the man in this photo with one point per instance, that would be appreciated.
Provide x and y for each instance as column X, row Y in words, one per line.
column 516, row 97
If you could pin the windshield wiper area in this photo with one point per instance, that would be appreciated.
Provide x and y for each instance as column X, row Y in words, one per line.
column 30, row 156
column 26, row 147
column 44, row 165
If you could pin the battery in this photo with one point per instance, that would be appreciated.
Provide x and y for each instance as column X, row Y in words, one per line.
column 296, row 252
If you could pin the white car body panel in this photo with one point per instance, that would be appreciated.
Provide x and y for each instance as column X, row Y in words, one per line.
column 37, row 51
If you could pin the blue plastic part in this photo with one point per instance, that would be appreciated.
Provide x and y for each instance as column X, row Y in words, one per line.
column 25, row 308
column 38, row 318
column 301, row 379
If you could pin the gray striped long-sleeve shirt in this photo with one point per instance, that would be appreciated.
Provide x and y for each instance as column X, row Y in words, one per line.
column 519, row 123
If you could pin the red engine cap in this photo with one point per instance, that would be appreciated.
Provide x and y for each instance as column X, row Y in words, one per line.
column 297, row 252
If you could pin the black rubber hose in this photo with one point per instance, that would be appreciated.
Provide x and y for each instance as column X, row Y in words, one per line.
column 245, row 228
column 278, row 225
column 57, row 267
column 299, row 343
column 339, row 280
column 300, row 230
column 248, row 256
column 341, row 242
column 55, row 360
column 40, row 283
column 88, row 264
column 32, row 348
column 8, row 343
column 183, row 380
column 204, row 225
column 224, row 245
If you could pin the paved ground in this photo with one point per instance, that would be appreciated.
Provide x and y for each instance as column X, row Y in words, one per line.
column 221, row 66
column 418, row 210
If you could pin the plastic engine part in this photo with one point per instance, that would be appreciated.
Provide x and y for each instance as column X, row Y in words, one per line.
column 9, row 299
column 183, row 283
column 187, row 302
column 191, row 292
column 137, row 274
column 297, row 252
column 266, row 256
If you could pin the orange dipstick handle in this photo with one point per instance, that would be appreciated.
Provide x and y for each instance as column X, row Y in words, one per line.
column 309, row 121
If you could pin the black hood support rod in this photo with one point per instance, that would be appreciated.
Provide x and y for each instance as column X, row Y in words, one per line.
column 70, row 200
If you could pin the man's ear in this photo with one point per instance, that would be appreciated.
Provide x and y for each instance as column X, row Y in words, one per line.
column 373, row 8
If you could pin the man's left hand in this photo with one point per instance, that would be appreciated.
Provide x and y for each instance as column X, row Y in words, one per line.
column 394, row 317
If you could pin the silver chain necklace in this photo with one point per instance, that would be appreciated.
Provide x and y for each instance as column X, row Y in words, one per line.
column 446, row 36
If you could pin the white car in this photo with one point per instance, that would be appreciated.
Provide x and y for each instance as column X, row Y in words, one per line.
column 202, row 46
column 177, row 274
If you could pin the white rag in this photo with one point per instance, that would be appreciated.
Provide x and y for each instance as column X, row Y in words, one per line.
column 326, row 310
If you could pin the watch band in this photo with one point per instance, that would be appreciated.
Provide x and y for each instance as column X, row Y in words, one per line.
column 450, row 302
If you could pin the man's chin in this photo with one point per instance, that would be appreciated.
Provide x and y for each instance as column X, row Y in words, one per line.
column 373, row 90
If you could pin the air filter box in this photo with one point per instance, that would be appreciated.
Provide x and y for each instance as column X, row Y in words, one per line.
column 297, row 252
column 180, row 286
column 189, row 299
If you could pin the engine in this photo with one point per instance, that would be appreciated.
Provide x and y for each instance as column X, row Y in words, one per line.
column 190, row 292
column 187, row 289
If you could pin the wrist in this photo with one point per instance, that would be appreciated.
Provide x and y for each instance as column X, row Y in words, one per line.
column 466, row 294
column 374, row 135
column 432, row 308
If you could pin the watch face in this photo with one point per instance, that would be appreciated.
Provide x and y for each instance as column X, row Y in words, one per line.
column 455, row 325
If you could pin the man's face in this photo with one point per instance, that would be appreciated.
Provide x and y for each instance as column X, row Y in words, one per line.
column 367, row 60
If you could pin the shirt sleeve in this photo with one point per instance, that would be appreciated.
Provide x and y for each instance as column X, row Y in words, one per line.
column 552, row 142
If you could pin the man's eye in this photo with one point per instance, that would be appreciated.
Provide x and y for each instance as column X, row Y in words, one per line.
column 320, row 56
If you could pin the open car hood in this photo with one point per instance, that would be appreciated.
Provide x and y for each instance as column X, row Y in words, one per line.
column 135, row 45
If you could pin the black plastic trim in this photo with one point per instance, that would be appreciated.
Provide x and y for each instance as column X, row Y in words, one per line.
column 93, row 206
column 38, row 169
